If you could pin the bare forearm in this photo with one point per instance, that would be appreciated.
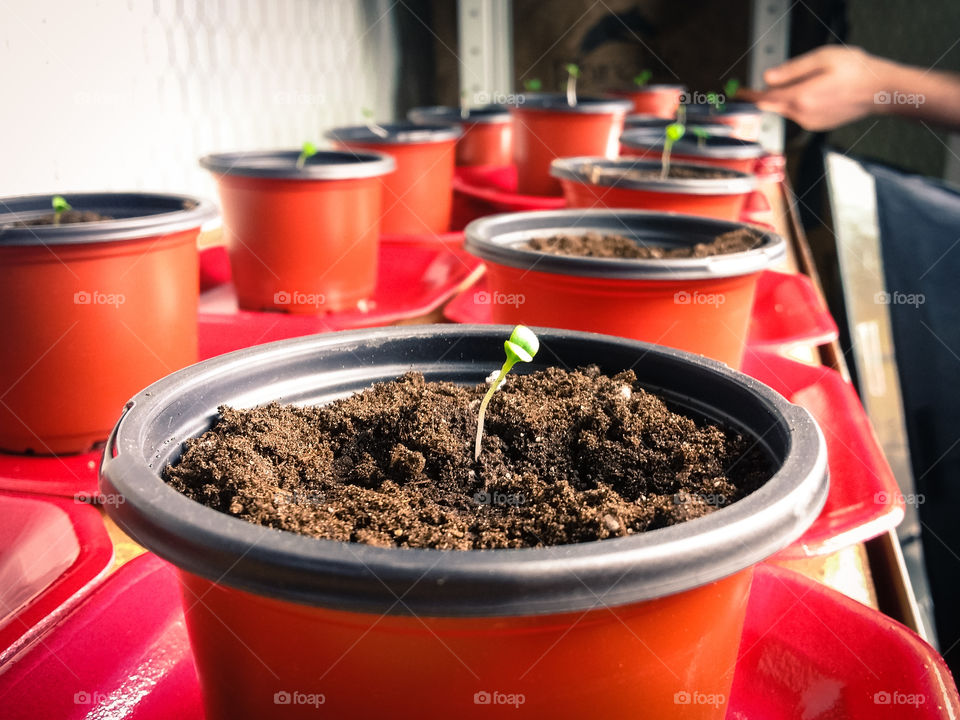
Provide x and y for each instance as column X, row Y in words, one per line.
column 929, row 95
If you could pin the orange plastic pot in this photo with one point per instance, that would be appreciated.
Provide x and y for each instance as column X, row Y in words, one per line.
column 92, row 313
column 699, row 305
column 729, row 152
column 487, row 132
column 418, row 197
column 545, row 127
column 659, row 100
column 287, row 626
column 301, row 240
column 744, row 119
column 724, row 198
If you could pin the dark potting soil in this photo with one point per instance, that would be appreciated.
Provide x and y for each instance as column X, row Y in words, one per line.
column 600, row 245
column 567, row 457
column 596, row 173
column 67, row 217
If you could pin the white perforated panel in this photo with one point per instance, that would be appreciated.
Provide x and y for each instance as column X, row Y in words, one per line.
column 121, row 94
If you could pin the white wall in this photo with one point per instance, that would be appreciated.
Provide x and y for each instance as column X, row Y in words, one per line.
column 127, row 94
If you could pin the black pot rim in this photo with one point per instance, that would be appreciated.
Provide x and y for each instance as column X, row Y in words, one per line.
column 714, row 146
column 704, row 111
column 446, row 114
column 136, row 215
column 586, row 104
column 499, row 239
column 361, row 578
column 571, row 169
column 653, row 86
column 401, row 133
column 282, row 164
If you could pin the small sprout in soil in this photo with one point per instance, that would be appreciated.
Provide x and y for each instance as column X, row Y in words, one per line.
column 642, row 78
column 532, row 85
column 60, row 206
column 372, row 124
column 521, row 346
column 672, row 133
column 308, row 150
column 573, row 72
column 701, row 134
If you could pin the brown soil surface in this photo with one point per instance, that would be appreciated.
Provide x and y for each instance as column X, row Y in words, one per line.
column 599, row 245
column 567, row 457
column 67, row 217
column 598, row 173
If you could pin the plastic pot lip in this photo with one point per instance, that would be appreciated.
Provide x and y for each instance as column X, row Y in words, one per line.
column 282, row 164
column 499, row 239
column 652, row 87
column 136, row 215
column 734, row 183
column 485, row 583
column 705, row 111
column 586, row 104
column 445, row 114
column 407, row 133
column 721, row 147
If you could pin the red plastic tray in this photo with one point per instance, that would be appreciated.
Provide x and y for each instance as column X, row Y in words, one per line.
column 418, row 274
column 864, row 499
column 52, row 551
column 490, row 189
column 73, row 476
column 786, row 311
column 807, row 651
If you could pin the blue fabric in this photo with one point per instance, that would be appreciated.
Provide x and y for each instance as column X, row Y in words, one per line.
column 920, row 240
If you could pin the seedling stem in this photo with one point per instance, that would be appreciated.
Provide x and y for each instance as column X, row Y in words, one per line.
column 521, row 347
column 60, row 206
column 372, row 124
column 307, row 151
column 573, row 72
column 672, row 133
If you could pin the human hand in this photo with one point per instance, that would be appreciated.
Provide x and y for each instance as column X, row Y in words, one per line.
column 825, row 88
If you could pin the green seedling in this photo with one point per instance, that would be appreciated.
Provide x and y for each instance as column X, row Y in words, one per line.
column 306, row 152
column 372, row 124
column 672, row 133
column 521, row 347
column 642, row 78
column 730, row 88
column 719, row 100
column 60, row 206
column 532, row 85
column 701, row 134
column 573, row 72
